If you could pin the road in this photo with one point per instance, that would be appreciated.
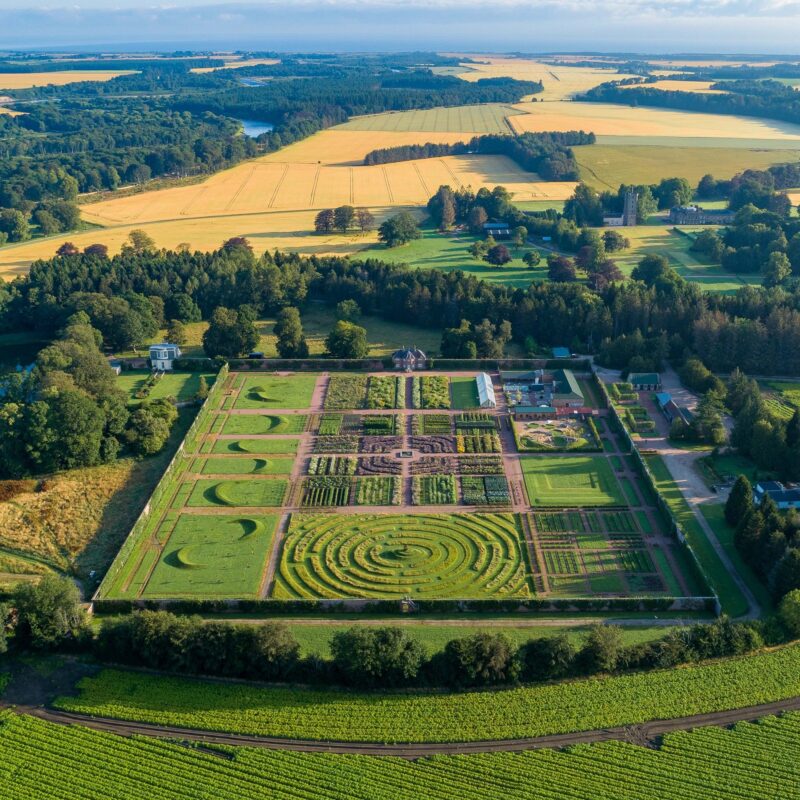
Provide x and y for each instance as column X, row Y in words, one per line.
column 645, row 734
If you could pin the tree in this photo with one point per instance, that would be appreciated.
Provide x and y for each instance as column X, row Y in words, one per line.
column 368, row 657
column 202, row 390
column 584, row 207
column 139, row 242
column 176, row 332
column 348, row 310
column 789, row 611
column 478, row 249
column 520, row 235
column 601, row 648
column 614, row 241
column 777, row 270
column 343, row 217
column 230, row 333
column 484, row 659
column 289, row 330
column 546, row 658
column 67, row 249
column 605, row 273
column 14, row 224
column 149, row 427
column 476, row 219
column 442, row 208
column 651, row 269
column 347, row 340
column 365, row 220
column 560, row 269
column 498, row 255
column 325, row 221
column 399, row 229
column 99, row 250
column 739, row 502
column 47, row 223
column 49, row 612
column 707, row 420
column 532, row 258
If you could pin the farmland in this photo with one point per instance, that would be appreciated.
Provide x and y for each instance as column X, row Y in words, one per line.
column 27, row 80
column 471, row 716
column 489, row 118
column 758, row 764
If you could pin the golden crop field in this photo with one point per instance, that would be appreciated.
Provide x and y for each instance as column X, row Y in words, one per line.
column 268, row 184
column 27, row 80
column 618, row 120
column 236, row 64
column 560, row 82
column 699, row 87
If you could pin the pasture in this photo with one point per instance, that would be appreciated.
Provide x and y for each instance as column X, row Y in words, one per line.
column 606, row 166
column 571, row 481
column 214, row 557
column 386, row 556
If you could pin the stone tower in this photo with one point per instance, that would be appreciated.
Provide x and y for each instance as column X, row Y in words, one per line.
column 630, row 208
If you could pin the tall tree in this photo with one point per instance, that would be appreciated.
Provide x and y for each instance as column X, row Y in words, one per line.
column 739, row 502
column 230, row 333
column 347, row 340
column 289, row 330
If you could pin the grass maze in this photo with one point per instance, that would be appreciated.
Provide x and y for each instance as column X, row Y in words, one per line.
column 393, row 555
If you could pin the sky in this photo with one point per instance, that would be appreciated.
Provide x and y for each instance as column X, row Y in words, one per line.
column 650, row 26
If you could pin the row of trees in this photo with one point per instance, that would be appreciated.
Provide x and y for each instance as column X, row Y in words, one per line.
column 344, row 219
column 388, row 657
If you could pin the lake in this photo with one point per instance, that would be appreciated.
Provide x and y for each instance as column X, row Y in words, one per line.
column 254, row 128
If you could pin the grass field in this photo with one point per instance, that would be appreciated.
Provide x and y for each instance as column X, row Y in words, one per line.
column 391, row 556
column 27, row 80
column 606, row 166
column 571, row 481
column 214, row 557
column 478, row 119
column 759, row 763
column 467, row 716
column 273, row 391
column 237, row 64
column 182, row 386
column 256, row 446
column 247, row 466
column 244, row 493
column 248, row 424
column 464, row 393
column 449, row 252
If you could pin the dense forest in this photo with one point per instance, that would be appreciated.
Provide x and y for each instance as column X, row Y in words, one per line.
column 547, row 154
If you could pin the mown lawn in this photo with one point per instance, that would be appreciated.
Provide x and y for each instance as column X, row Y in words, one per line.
column 276, row 391
column 571, row 481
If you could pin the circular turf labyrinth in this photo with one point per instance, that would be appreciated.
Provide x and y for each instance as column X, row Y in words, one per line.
column 424, row 556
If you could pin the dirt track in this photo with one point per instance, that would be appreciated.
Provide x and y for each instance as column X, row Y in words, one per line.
column 645, row 734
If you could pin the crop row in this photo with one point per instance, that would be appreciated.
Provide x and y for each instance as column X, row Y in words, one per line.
column 386, row 391
column 331, row 465
column 430, row 391
column 346, row 391
column 431, row 424
column 484, row 490
column 478, row 443
column 433, row 490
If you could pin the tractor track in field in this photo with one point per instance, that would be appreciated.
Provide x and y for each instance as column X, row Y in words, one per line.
column 645, row 734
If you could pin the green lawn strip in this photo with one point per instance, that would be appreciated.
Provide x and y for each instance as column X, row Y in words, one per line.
column 464, row 393
column 182, row 386
column 661, row 560
column 246, row 466
column 733, row 601
column 715, row 516
column 213, row 557
column 314, row 639
column 256, row 446
column 571, row 481
column 232, row 493
column 629, row 491
column 644, row 521
column 416, row 717
column 276, row 391
column 250, row 424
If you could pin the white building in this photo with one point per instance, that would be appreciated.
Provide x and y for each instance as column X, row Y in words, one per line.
column 486, row 396
column 162, row 356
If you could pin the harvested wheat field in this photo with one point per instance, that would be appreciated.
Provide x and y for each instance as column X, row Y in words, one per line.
column 236, row 64
column 27, row 80
column 560, row 82
column 617, row 120
column 267, row 184
column 699, row 87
